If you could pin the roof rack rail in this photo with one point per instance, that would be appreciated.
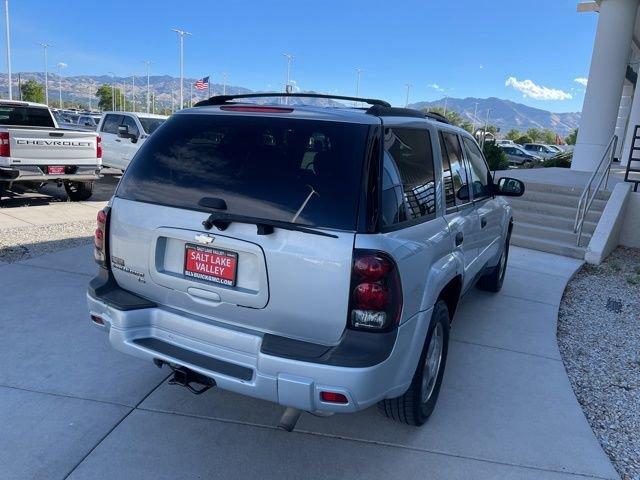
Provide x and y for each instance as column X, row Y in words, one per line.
column 437, row 116
column 386, row 111
column 222, row 99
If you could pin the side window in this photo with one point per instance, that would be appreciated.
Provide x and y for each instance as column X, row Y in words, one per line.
column 131, row 124
column 454, row 172
column 479, row 169
column 111, row 123
column 408, row 182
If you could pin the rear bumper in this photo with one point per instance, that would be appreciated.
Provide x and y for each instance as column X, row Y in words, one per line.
column 34, row 173
column 238, row 359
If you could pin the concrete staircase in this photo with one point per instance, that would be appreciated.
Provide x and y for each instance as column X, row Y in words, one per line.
column 544, row 218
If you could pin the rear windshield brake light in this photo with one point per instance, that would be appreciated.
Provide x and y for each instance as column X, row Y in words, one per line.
column 256, row 109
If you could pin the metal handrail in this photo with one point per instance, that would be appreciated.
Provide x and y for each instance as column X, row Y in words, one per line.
column 587, row 197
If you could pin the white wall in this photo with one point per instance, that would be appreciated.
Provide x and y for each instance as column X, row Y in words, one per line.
column 630, row 234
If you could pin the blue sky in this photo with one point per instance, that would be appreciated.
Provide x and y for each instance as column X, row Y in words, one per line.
column 456, row 48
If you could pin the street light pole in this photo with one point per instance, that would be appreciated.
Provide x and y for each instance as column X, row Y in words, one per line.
column 359, row 73
column 6, row 20
column 408, row 90
column 60, row 66
column 289, row 58
column 182, row 34
column 113, row 91
column 46, row 73
column 475, row 115
column 224, row 83
column 133, row 92
column 147, row 64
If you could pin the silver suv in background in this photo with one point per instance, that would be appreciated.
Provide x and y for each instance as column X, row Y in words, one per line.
column 312, row 257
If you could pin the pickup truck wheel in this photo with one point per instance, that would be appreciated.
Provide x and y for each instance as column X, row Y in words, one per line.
column 419, row 401
column 78, row 191
column 492, row 282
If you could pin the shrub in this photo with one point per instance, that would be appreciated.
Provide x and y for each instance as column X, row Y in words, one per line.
column 524, row 139
column 562, row 160
column 496, row 158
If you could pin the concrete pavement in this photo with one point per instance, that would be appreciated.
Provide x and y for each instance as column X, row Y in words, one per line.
column 70, row 406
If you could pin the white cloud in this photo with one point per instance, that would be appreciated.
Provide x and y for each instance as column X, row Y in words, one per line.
column 537, row 92
column 582, row 81
column 435, row 86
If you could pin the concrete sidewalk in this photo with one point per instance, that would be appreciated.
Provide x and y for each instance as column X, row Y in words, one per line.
column 70, row 406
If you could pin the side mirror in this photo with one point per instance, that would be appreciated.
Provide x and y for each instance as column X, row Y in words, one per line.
column 463, row 193
column 508, row 187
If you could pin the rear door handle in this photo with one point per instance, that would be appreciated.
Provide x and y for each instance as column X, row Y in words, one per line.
column 118, row 140
column 483, row 222
column 459, row 239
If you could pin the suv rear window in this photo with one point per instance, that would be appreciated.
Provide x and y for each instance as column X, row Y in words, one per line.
column 265, row 167
column 25, row 116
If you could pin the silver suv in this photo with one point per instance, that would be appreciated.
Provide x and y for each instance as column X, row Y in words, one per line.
column 313, row 257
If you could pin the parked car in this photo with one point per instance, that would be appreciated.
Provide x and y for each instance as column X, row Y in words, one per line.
column 231, row 254
column 35, row 151
column 518, row 155
column 555, row 148
column 540, row 150
column 89, row 121
column 123, row 133
column 505, row 142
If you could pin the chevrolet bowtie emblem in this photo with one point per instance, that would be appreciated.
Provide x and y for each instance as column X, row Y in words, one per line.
column 204, row 238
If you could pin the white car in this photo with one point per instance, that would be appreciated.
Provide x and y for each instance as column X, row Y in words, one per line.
column 123, row 133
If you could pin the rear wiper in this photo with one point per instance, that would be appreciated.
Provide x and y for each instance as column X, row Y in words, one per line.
column 221, row 221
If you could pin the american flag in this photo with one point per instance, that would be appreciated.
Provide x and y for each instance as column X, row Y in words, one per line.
column 202, row 84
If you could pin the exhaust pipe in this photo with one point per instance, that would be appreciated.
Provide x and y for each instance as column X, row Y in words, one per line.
column 187, row 378
column 289, row 419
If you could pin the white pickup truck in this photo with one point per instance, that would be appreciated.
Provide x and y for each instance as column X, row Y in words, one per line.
column 34, row 151
column 123, row 133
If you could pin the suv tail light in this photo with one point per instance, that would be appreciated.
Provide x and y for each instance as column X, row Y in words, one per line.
column 98, row 147
column 5, row 149
column 100, row 238
column 376, row 293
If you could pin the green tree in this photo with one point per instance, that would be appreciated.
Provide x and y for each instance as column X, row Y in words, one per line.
column 571, row 138
column 513, row 134
column 105, row 98
column 534, row 134
column 548, row 137
column 496, row 158
column 524, row 139
column 32, row 91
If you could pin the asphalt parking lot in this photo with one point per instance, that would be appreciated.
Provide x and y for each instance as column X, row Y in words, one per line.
column 72, row 407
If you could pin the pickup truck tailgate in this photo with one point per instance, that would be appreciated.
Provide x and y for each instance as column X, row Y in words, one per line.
column 33, row 146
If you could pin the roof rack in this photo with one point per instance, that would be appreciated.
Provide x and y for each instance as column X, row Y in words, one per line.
column 222, row 99
column 437, row 116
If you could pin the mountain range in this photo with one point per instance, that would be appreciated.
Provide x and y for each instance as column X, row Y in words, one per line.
column 504, row 114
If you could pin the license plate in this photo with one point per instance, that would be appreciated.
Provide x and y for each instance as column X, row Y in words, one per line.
column 210, row 264
column 55, row 170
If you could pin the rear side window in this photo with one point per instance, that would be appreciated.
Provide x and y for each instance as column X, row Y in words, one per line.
column 455, row 176
column 130, row 123
column 25, row 116
column 408, row 184
column 278, row 168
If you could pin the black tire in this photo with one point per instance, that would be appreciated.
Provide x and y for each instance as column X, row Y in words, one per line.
column 78, row 191
column 416, row 406
column 492, row 281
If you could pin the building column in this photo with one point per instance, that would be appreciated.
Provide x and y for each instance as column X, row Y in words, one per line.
column 634, row 119
column 606, row 77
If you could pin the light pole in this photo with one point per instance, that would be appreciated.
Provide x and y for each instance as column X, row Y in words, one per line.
column 60, row 66
column 475, row 115
column 486, row 125
column 6, row 20
column 113, row 91
column 147, row 64
column 445, row 105
column 224, row 83
column 359, row 73
column 408, row 85
column 289, row 58
column 182, row 34
column 133, row 92
column 46, row 73
column 90, row 94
